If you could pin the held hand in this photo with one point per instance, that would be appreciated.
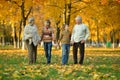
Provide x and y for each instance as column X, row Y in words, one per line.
column 30, row 37
column 82, row 41
column 39, row 42
column 55, row 43
column 72, row 42
column 58, row 41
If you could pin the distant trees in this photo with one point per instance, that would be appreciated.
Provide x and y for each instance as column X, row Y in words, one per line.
column 102, row 17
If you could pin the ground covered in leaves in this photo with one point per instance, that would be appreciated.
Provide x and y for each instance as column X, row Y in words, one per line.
column 98, row 65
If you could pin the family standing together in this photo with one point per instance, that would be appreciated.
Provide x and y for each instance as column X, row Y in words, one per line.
column 77, row 38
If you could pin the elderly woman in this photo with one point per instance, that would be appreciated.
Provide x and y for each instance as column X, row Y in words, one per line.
column 32, row 38
column 47, row 38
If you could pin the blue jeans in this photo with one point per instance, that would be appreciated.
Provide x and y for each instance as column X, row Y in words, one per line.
column 65, row 53
column 48, row 48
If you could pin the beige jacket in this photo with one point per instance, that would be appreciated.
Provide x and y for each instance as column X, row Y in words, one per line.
column 31, row 33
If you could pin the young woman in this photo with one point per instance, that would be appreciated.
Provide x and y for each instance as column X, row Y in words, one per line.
column 47, row 38
column 65, row 40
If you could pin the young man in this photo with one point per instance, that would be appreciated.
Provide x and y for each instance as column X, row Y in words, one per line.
column 65, row 40
column 79, row 36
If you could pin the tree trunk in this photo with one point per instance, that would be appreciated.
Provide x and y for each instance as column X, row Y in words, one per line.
column 3, row 38
column 64, row 14
column 24, row 18
column 19, row 33
column 112, row 38
column 97, row 36
column 14, row 36
column 69, row 13
column 58, row 35
column 3, row 41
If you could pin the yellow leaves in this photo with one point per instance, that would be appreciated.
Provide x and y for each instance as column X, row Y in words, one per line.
column 0, row 71
column 30, row 75
column 0, row 77
column 98, row 75
column 106, row 75
column 28, row 4
column 68, row 71
column 23, row 72
column 56, row 71
column 16, row 74
column 0, row 66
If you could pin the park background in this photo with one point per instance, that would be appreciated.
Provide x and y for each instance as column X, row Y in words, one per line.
column 102, row 53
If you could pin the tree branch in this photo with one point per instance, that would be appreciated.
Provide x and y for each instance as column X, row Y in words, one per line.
column 76, row 1
column 80, row 1
column 73, row 7
column 14, row 2
column 78, row 10
column 28, row 13
column 56, row 6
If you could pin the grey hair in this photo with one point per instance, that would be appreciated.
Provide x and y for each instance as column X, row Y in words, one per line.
column 78, row 18
column 31, row 19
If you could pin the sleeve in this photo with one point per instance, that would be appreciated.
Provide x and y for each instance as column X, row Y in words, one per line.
column 38, row 37
column 87, row 33
column 24, row 33
column 61, row 36
column 72, row 35
column 53, row 34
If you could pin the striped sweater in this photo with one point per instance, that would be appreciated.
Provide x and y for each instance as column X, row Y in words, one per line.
column 47, row 34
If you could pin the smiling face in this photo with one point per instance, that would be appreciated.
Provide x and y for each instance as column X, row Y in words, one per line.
column 66, row 27
column 78, row 21
column 47, row 23
column 32, row 22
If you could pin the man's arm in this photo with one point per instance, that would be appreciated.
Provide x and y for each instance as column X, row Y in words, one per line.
column 87, row 34
column 72, row 35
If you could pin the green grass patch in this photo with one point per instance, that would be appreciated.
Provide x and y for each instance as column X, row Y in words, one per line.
column 14, row 66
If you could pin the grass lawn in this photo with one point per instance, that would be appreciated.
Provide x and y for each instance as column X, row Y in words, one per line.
column 98, row 65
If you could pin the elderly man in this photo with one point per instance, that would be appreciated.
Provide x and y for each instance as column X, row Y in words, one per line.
column 32, row 38
column 79, row 36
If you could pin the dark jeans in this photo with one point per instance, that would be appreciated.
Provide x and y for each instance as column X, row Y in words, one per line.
column 48, row 48
column 32, row 52
column 75, row 51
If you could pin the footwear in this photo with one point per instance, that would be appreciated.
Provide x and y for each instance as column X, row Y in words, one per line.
column 30, row 63
column 48, row 62
column 81, row 62
column 75, row 62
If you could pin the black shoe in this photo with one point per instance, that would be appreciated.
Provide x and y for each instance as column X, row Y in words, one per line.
column 80, row 63
column 48, row 62
column 75, row 62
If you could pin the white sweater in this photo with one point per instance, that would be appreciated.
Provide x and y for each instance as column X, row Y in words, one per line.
column 80, row 32
column 31, row 33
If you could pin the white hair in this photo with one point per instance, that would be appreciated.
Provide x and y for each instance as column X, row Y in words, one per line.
column 31, row 19
column 78, row 18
